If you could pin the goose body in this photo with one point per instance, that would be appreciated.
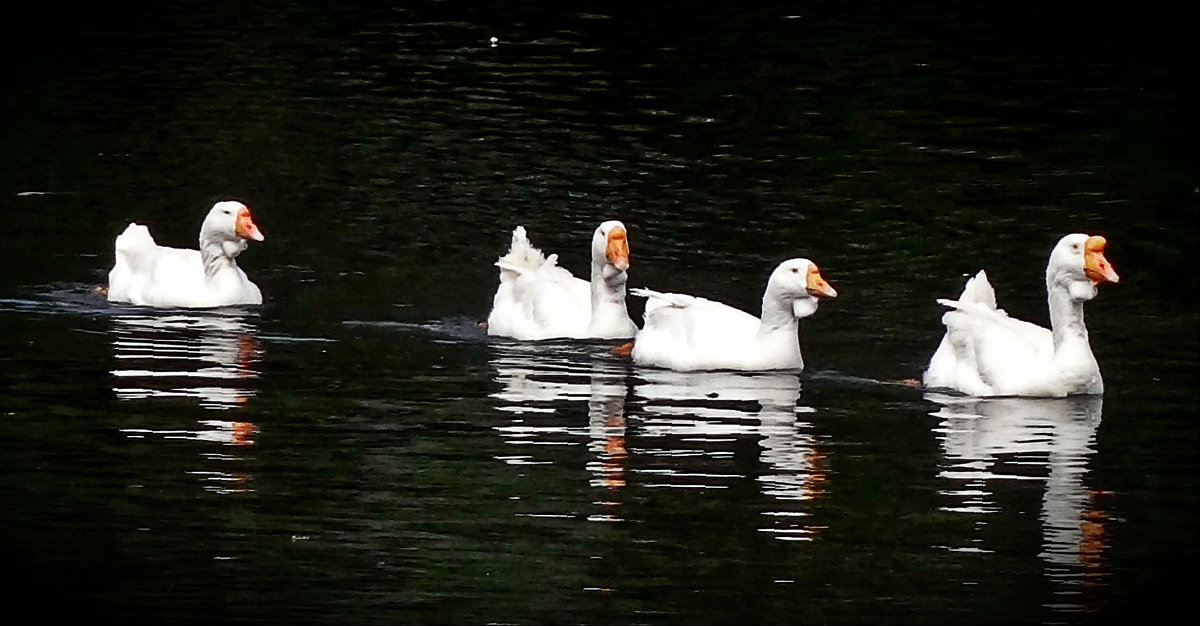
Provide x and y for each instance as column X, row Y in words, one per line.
column 688, row 333
column 537, row 299
column 147, row 274
column 987, row 353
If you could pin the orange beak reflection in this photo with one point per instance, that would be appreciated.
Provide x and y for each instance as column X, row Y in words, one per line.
column 817, row 285
column 1095, row 266
column 617, row 248
column 246, row 227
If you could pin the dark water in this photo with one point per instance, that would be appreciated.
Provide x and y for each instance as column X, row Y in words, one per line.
column 357, row 451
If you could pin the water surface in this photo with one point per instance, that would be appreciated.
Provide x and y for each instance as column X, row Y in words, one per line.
column 358, row 450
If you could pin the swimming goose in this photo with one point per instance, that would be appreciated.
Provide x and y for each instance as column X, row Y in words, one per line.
column 536, row 299
column 987, row 353
column 685, row 333
column 147, row 274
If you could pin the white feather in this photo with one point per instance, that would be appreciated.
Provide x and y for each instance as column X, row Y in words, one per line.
column 536, row 299
column 688, row 333
column 145, row 273
column 987, row 353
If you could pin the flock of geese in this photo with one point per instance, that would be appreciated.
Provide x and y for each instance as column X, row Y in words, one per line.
column 983, row 353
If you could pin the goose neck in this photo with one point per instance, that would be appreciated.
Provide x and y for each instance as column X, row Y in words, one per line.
column 1066, row 317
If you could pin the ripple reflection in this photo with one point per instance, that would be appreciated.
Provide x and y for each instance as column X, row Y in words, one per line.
column 536, row 383
column 694, row 425
column 703, row 432
column 1048, row 441
column 212, row 357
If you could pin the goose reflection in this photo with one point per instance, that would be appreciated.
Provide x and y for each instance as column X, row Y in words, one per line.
column 688, row 427
column 211, row 356
column 540, row 389
column 694, row 422
column 1042, row 440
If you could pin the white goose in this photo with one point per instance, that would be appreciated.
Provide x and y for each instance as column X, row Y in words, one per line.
column 537, row 299
column 147, row 274
column 688, row 333
column 987, row 353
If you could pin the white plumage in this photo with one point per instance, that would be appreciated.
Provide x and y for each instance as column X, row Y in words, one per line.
column 537, row 299
column 987, row 353
column 147, row 274
column 687, row 333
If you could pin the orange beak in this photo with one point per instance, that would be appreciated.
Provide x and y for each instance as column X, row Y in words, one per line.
column 246, row 227
column 817, row 285
column 1095, row 266
column 617, row 248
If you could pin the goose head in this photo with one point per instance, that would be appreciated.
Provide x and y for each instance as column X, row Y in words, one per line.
column 229, row 225
column 610, row 248
column 1078, row 264
column 799, row 282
